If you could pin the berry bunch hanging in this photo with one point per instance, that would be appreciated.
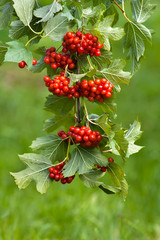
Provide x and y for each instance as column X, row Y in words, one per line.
column 82, row 44
column 57, row 175
column 56, row 60
column 84, row 135
column 82, row 94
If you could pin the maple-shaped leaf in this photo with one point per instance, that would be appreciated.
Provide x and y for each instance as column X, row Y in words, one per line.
column 48, row 11
column 3, row 50
column 37, row 170
column 5, row 17
column 142, row 10
column 117, row 176
column 106, row 32
column 52, row 146
column 115, row 74
column 103, row 60
column 132, row 135
column 82, row 160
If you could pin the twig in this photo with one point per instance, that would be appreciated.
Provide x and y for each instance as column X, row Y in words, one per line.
column 124, row 13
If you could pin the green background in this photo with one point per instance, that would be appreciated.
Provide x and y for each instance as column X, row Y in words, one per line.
column 73, row 211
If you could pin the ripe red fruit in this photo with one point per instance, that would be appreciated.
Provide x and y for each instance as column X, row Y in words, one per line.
column 110, row 159
column 51, row 175
column 34, row 61
column 22, row 64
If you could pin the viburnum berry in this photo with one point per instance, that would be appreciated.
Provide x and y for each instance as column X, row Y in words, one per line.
column 103, row 168
column 84, row 136
column 22, row 64
column 57, row 60
column 98, row 89
column 82, row 44
column 34, row 61
column 57, row 175
column 110, row 159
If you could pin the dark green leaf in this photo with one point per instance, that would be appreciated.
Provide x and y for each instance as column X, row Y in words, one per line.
column 115, row 74
column 57, row 27
column 55, row 122
column 47, row 12
column 5, row 16
column 52, row 146
column 132, row 135
column 18, row 29
column 82, row 160
column 3, row 50
column 105, row 32
column 109, row 189
column 103, row 60
column 17, row 52
column 58, row 105
column 90, row 179
column 104, row 123
column 108, row 106
column 142, row 10
column 118, row 177
column 134, row 41
column 82, row 63
column 37, row 170
column 39, row 66
column 24, row 10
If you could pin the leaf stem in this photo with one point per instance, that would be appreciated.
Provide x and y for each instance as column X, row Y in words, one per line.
column 31, row 40
column 122, row 9
column 90, row 65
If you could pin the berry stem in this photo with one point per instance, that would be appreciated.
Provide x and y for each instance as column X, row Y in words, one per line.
column 31, row 40
column 122, row 9
column 90, row 65
column 78, row 101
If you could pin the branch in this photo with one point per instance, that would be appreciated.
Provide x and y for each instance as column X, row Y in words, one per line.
column 123, row 11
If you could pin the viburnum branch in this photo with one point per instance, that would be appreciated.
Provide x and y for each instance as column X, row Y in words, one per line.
column 85, row 108
column 78, row 101
column 122, row 9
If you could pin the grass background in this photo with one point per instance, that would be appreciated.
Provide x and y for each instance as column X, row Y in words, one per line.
column 73, row 211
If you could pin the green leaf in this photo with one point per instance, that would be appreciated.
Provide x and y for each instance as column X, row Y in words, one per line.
column 55, row 122
column 117, row 176
column 103, row 122
column 58, row 105
column 24, row 10
column 82, row 160
column 66, row 13
column 17, row 52
column 105, row 32
column 5, row 16
column 93, row 14
column 109, row 189
column 3, row 50
column 90, row 179
column 134, row 41
column 132, row 135
column 37, row 170
column 17, row 29
column 142, row 10
column 115, row 74
column 75, row 78
column 102, row 60
column 39, row 66
column 108, row 107
column 52, row 146
column 57, row 27
column 82, row 63
column 47, row 12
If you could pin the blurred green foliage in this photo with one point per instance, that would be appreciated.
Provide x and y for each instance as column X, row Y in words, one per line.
column 73, row 211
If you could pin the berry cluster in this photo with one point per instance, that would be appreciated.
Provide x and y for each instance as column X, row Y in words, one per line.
column 103, row 168
column 82, row 44
column 59, row 86
column 84, row 135
column 57, row 60
column 98, row 89
column 22, row 64
column 57, row 175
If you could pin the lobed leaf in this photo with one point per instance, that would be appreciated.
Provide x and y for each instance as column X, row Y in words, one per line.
column 37, row 170
column 18, row 52
column 5, row 16
column 52, row 146
column 24, row 10
column 3, row 50
column 58, row 105
column 82, row 160
column 47, row 12
column 115, row 74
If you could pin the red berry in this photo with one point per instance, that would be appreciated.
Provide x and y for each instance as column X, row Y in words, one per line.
column 46, row 79
column 34, row 61
column 51, row 169
column 103, row 169
column 47, row 60
column 57, row 177
column 22, row 64
column 97, row 53
column 80, row 50
column 51, row 175
column 110, row 159
column 54, row 65
column 63, row 181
